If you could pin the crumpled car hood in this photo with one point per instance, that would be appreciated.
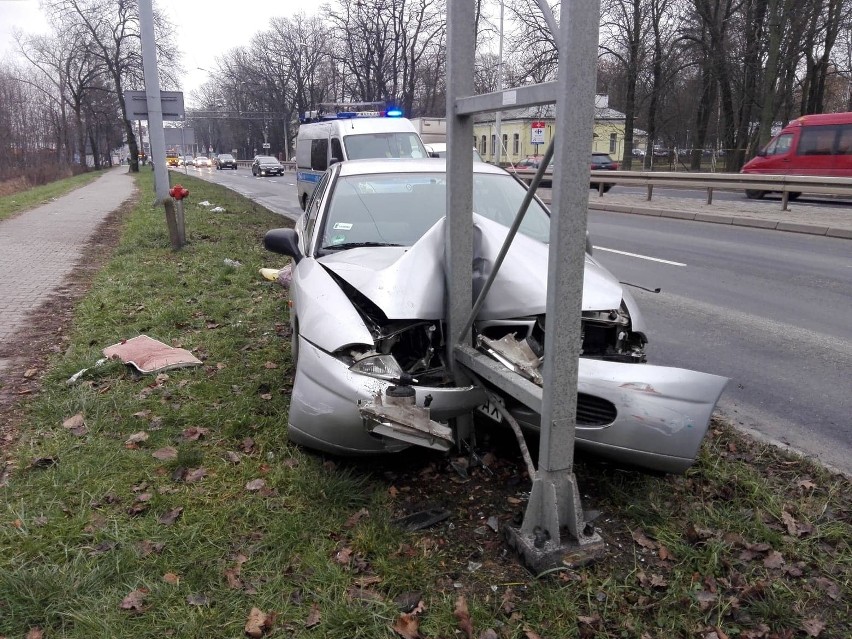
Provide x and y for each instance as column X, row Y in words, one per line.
column 409, row 282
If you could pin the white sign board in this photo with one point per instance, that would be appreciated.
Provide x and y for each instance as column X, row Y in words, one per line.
column 537, row 132
column 266, row 145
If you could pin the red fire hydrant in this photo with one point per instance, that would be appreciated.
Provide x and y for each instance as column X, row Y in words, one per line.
column 177, row 225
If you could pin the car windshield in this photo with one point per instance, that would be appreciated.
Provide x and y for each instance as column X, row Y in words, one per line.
column 384, row 145
column 396, row 209
column 266, row 158
column 226, row 157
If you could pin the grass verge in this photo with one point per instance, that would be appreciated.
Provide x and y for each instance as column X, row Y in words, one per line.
column 23, row 200
column 177, row 507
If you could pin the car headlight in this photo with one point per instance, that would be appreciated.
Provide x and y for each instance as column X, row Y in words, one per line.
column 379, row 366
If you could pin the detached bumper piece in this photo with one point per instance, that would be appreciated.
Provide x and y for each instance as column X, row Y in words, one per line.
column 395, row 414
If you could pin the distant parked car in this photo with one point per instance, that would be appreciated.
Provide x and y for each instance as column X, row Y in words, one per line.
column 225, row 161
column 266, row 165
column 202, row 161
column 599, row 162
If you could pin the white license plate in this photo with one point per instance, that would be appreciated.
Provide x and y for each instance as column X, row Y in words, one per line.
column 490, row 410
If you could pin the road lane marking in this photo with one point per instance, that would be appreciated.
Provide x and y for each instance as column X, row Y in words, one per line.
column 641, row 257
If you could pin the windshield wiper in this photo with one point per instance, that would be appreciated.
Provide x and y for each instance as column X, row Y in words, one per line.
column 350, row 245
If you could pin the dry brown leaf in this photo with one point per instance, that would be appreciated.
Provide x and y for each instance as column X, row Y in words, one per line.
column 194, row 433
column 462, row 614
column 256, row 623
column 170, row 517
column 705, row 600
column 640, row 538
column 407, row 626
column 529, row 633
column 256, row 484
column 166, row 453
column 813, row 627
column 270, row 365
column 171, row 578
column 773, row 560
column 314, row 616
column 266, row 396
column 35, row 633
column 664, row 553
column 73, row 422
column 195, row 475
column 232, row 576
column 30, row 372
column 393, row 491
column 828, row 586
column 136, row 438
column 142, row 414
column 343, row 556
column 791, row 523
column 356, row 517
column 135, row 600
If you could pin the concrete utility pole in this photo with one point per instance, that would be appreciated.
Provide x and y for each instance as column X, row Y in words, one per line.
column 152, row 92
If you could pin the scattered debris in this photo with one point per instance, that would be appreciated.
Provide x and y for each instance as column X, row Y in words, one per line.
column 422, row 519
column 204, row 203
column 232, row 263
column 83, row 371
column 148, row 355
column 217, row 209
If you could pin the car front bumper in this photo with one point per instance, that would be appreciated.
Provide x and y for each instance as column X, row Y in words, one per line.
column 324, row 407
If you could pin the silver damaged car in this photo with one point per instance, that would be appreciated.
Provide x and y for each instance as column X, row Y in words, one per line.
column 367, row 314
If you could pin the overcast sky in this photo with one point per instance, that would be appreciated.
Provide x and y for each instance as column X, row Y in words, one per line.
column 205, row 29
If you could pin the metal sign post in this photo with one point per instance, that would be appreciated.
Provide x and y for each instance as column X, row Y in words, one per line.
column 553, row 532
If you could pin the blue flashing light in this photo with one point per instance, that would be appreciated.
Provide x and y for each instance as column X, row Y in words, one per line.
column 342, row 115
column 394, row 113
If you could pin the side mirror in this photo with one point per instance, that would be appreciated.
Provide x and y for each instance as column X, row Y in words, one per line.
column 283, row 242
column 762, row 153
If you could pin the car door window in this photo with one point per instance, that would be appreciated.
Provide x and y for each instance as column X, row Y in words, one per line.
column 312, row 213
column 336, row 149
column 319, row 154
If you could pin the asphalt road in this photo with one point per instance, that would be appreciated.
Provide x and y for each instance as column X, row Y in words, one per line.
column 770, row 310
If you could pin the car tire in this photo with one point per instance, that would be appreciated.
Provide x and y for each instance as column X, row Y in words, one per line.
column 754, row 194
column 606, row 188
column 793, row 195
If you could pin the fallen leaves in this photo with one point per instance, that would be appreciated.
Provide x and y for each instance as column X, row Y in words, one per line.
column 407, row 626
column 167, row 453
column 462, row 615
column 314, row 616
column 170, row 517
column 135, row 600
column 258, row 623
column 76, row 425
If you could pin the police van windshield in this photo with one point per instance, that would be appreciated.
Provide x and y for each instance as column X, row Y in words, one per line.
column 384, row 145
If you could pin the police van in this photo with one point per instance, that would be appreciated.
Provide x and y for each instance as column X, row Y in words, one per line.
column 330, row 135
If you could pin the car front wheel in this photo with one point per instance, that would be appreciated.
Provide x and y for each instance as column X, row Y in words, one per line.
column 754, row 194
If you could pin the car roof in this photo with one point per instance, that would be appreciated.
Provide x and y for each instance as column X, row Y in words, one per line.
column 408, row 165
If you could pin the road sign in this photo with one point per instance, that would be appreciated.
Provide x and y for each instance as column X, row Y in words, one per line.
column 171, row 102
column 266, row 145
column 537, row 132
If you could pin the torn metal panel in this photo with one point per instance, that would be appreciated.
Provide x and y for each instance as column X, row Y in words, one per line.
column 395, row 414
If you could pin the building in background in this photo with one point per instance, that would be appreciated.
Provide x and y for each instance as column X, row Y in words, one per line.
column 527, row 132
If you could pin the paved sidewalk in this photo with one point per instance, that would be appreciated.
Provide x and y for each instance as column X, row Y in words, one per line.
column 40, row 247
column 767, row 214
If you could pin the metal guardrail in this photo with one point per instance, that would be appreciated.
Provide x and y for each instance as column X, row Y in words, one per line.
column 784, row 184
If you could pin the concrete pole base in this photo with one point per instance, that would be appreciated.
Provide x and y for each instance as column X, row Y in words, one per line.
column 539, row 556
